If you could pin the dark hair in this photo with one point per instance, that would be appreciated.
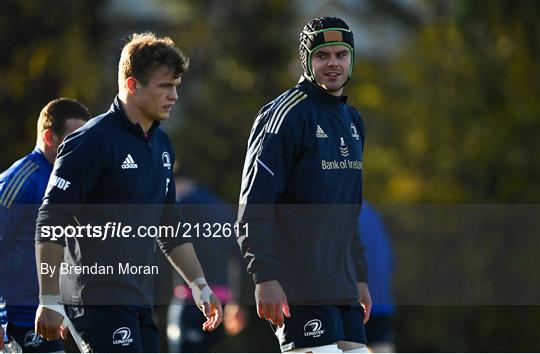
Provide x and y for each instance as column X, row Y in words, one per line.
column 55, row 114
column 145, row 53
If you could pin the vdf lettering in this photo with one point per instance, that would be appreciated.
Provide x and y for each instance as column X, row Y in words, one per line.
column 60, row 183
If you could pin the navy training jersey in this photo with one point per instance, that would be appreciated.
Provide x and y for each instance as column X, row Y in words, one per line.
column 110, row 171
column 199, row 205
column 22, row 187
column 301, row 194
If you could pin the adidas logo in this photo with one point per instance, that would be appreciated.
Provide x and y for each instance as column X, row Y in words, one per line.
column 320, row 133
column 129, row 163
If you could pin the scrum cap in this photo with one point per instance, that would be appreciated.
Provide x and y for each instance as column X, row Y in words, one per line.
column 321, row 32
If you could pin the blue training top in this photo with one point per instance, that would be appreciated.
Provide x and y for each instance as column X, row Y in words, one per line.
column 380, row 260
column 22, row 187
column 201, row 206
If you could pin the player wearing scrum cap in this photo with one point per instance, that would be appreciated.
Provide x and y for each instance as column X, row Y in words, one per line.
column 306, row 149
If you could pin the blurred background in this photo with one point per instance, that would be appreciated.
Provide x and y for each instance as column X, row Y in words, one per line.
column 449, row 91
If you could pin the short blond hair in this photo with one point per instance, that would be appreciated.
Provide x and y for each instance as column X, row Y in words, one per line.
column 145, row 52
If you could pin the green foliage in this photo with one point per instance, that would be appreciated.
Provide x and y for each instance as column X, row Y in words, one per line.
column 239, row 62
column 48, row 51
column 453, row 118
column 488, row 329
column 458, row 110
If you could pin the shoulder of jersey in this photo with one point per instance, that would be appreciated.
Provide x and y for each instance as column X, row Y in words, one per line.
column 101, row 122
column 96, row 128
column 355, row 112
column 162, row 133
column 357, row 115
column 12, row 184
column 281, row 108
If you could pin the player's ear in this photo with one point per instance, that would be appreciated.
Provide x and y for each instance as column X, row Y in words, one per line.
column 132, row 85
column 50, row 138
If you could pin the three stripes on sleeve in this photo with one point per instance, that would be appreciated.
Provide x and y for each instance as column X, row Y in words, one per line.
column 268, row 122
column 10, row 190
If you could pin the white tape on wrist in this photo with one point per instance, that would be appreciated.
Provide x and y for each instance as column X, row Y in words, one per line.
column 200, row 296
column 52, row 302
column 198, row 281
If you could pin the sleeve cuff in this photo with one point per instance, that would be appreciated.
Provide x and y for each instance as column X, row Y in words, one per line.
column 167, row 245
column 59, row 241
column 262, row 276
column 361, row 276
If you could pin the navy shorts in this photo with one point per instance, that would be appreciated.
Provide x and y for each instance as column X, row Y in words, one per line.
column 30, row 342
column 114, row 329
column 317, row 325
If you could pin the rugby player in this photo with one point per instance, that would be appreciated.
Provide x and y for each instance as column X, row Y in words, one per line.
column 300, row 198
column 118, row 169
column 22, row 187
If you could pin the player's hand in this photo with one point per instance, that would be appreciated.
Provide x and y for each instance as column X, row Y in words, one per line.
column 234, row 319
column 209, row 304
column 213, row 311
column 365, row 300
column 271, row 302
column 49, row 324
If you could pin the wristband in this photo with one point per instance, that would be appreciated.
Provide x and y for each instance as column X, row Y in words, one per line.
column 198, row 281
column 52, row 302
column 200, row 296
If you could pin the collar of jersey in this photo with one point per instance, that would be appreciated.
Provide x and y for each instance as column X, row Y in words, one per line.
column 40, row 158
column 314, row 90
column 136, row 128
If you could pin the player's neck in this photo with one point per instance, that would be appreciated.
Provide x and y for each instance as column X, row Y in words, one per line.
column 134, row 114
column 336, row 93
column 50, row 154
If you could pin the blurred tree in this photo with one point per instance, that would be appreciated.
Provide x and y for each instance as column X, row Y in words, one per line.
column 455, row 115
column 454, row 118
column 240, row 53
column 50, row 50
